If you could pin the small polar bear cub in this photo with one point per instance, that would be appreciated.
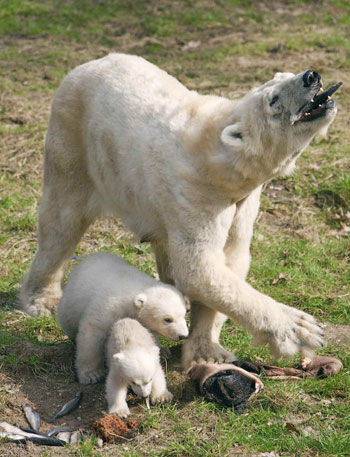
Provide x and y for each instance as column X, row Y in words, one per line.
column 102, row 289
column 133, row 361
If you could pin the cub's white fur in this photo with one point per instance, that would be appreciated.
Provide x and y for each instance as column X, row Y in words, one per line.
column 133, row 361
column 104, row 288
column 185, row 172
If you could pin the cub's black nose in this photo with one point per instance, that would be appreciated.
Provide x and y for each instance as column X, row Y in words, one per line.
column 311, row 77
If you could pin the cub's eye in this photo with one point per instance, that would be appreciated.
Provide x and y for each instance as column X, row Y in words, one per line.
column 274, row 100
column 168, row 320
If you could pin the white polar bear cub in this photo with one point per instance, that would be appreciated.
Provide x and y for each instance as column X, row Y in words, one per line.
column 133, row 360
column 102, row 289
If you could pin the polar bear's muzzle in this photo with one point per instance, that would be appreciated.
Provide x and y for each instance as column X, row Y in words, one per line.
column 320, row 102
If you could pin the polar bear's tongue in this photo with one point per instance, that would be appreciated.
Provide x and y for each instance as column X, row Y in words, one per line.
column 318, row 105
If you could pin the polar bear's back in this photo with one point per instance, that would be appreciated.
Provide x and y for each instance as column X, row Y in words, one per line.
column 98, row 285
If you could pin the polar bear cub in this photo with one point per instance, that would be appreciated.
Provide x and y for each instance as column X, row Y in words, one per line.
column 102, row 289
column 133, row 361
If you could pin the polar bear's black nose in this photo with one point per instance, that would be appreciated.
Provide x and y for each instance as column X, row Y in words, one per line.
column 183, row 337
column 311, row 77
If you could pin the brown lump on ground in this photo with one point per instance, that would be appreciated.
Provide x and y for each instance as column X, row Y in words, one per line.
column 111, row 428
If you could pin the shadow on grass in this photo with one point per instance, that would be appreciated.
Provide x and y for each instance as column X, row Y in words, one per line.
column 8, row 300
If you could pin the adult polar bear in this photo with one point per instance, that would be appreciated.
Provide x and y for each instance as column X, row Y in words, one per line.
column 184, row 171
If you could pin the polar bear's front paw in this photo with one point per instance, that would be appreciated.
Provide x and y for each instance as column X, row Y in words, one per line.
column 90, row 377
column 199, row 350
column 295, row 332
column 165, row 396
column 121, row 410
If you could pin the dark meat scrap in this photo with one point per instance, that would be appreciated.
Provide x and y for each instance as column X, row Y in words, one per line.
column 229, row 388
column 226, row 384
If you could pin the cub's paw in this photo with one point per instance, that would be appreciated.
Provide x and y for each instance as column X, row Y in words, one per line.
column 90, row 377
column 294, row 332
column 121, row 410
column 199, row 350
column 165, row 396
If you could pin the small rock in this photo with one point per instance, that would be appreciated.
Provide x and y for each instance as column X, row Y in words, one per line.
column 99, row 443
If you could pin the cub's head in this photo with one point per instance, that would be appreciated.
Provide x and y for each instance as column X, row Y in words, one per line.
column 138, row 368
column 162, row 309
column 277, row 120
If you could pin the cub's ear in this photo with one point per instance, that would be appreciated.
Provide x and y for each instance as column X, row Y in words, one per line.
column 232, row 136
column 140, row 300
column 119, row 356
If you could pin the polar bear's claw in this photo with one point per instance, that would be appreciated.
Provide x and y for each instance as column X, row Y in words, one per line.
column 204, row 352
column 296, row 332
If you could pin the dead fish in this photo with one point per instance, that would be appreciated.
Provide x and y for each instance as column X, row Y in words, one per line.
column 54, row 431
column 70, row 406
column 33, row 437
column 64, row 436
column 147, row 403
column 32, row 417
column 30, row 430
column 13, row 437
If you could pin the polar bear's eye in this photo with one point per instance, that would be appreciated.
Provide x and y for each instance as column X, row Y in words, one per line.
column 274, row 100
column 168, row 320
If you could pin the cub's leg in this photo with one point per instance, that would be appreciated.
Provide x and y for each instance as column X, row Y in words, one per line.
column 90, row 352
column 159, row 392
column 116, row 393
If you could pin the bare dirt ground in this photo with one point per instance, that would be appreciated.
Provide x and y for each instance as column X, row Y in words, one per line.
column 47, row 391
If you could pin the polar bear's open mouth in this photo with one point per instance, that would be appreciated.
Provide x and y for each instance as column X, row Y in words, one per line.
column 317, row 106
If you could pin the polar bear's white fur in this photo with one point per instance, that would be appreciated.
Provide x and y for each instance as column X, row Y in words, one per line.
column 104, row 288
column 133, row 361
column 185, row 172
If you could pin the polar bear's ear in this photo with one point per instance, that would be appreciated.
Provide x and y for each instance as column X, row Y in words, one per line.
column 232, row 135
column 119, row 356
column 281, row 76
column 140, row 300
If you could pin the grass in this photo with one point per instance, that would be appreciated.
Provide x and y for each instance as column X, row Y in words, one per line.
column 300, row 251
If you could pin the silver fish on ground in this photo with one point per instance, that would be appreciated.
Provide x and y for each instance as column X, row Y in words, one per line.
column 54, row 431
column 15, row 434
column 30, row 430
column 32, row 417
column 70, row 406
column 14, row 438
